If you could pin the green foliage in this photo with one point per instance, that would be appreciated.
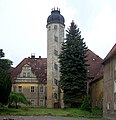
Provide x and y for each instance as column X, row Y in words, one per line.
column 1, row 53
column 16, row 98
column 5, row 78
column 86, row 104
column 73, row 67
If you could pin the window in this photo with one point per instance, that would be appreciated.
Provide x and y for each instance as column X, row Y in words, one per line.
column 56, row 52
column 55, row 96
column 32, row 102
column 115, row 64
column 32, row 89
column 28, row 74
column 55, row 66
column 41, row 103
column 115, row 86
column 19, row 88
column 115, row 106
column 108, row 106
column 49, row 27
column 55, row 27
column 56, row 82
column 24, row 74
column 56, row 38
column 41, row 89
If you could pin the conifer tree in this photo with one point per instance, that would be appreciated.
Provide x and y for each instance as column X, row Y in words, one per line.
column 5, row 78
column 73, row 67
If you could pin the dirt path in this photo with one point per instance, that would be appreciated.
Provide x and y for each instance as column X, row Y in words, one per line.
column 40, row 118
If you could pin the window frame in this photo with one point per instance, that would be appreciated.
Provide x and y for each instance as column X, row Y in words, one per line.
column 32, row 89
column 20, row 89
column 55, row 27
column 55, row 38
column 114, row 86
column 55, row 95
column 41, row 89
column 56, row 52
column 28, row 74
column 55, row 66
column 33, row 102
column 115, row 65
column 41, row 103
column 24, row 74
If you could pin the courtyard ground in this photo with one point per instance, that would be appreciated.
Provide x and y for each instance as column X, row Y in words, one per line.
column 41, row 118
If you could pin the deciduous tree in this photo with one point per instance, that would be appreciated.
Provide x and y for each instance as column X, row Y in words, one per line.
column 16, row 98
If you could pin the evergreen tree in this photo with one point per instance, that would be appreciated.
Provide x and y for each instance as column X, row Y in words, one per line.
column 73, row 67
column 5, row 78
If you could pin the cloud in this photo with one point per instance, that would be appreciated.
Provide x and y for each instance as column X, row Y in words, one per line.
column 101, row 37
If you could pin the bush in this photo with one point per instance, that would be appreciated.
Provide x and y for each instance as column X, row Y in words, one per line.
column 86, row 104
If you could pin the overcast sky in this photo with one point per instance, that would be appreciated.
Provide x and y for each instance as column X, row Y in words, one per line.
column 23, row 25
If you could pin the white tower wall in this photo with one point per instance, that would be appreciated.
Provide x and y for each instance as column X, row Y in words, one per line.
column 55, row 38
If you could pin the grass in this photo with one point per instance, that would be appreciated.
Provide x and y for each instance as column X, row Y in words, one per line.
column 69, row 112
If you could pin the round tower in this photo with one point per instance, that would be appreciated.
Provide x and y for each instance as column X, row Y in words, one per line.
column 55, row 37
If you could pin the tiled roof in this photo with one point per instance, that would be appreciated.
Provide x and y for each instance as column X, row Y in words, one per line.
column 99, row 75
column 94, row 62
column 38, row 67
column 110, row 54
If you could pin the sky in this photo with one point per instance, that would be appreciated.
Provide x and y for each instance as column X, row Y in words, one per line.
column 23, row 25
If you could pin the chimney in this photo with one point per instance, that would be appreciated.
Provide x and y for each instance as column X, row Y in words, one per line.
column 39, row 57
column 32, row 55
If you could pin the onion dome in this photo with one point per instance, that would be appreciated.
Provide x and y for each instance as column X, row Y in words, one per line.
column 55, row 17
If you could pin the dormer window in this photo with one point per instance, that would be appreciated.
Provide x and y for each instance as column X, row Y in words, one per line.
column 28, row 74
column 24, row 74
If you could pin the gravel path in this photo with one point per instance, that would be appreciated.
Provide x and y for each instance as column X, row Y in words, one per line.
column 40, row 118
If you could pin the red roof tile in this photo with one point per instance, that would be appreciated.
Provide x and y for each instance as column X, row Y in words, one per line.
column 38, row 67
column 94, row 62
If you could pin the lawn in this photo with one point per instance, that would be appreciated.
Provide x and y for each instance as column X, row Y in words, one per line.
column 50, row 112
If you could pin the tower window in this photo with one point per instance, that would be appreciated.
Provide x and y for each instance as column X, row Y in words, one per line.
column 55, row 96
column 55, row 66
column 56, row 38
column 56, row 52
column 49, row 27
column 55, row 27
column 56, row 82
